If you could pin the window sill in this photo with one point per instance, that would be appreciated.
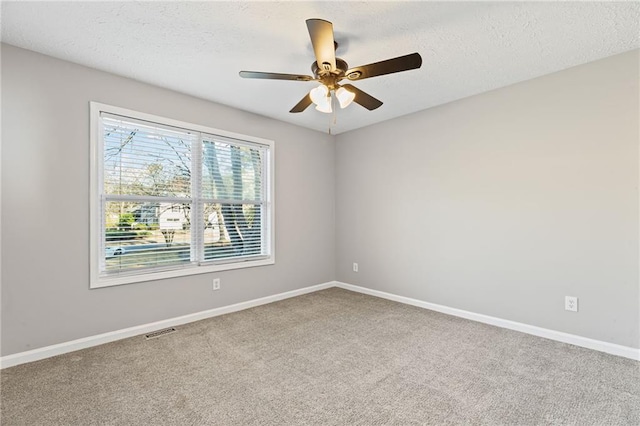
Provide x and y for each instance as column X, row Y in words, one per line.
column 110, row 281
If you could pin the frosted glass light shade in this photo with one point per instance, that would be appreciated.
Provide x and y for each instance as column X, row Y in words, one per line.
column 322, row 98
column 345, row 97
column 325, row 105
column 319, row 94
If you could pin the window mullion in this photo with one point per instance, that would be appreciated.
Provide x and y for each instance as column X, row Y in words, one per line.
column 197, row 208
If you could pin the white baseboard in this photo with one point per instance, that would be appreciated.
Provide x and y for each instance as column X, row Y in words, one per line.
column 87, row 342
column 585, row 342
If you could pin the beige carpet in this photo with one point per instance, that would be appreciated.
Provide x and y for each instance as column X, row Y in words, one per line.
column 329, row 358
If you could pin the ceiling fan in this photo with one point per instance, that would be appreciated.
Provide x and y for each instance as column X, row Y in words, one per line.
column 330, row 71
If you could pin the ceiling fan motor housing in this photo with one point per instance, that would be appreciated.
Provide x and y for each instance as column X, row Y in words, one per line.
column 319, row 72
column 326, row 76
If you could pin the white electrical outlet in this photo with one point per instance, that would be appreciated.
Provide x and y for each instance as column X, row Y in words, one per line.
column 355, row 267
column 216, row 283
column 571, row 303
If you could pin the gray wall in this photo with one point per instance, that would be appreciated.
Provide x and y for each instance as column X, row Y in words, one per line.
column 45, row 206
column 499, row 204
column 503, row 203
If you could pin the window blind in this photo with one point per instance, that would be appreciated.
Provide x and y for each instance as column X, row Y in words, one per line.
column 173, row 197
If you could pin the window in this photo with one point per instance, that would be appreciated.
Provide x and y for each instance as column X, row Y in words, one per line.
column 171, row 198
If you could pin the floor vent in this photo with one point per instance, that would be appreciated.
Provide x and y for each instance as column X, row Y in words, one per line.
column 159, row 333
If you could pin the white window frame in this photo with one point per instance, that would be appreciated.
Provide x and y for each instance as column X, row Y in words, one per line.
column 96, row 247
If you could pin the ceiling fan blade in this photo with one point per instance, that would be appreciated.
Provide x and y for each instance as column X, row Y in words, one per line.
column 363, row 98
column 302, row 105
column 321, row 33
column 275, row 76
column 401, row 63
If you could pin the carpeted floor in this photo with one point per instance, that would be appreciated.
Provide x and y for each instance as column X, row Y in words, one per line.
column 328, row 358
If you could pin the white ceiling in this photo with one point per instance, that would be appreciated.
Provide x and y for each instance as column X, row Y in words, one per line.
column 198, row 47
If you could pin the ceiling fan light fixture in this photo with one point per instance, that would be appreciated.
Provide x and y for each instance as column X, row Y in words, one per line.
column 325, row 105
column 345, row 97
column 319, row 94
column 321, row 97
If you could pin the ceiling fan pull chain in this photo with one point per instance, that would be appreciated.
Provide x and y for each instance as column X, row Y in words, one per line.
column 334, row 107
column 331, row 120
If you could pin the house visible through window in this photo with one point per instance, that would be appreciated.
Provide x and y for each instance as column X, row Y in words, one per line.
column 172, row 198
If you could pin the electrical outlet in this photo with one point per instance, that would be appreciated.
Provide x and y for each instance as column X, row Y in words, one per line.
column 355, row 267
column 216, row 284
column 571, row 303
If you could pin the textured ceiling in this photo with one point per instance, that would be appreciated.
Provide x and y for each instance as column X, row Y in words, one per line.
column 198, row 47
